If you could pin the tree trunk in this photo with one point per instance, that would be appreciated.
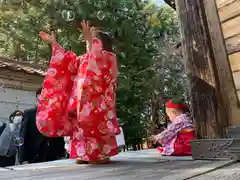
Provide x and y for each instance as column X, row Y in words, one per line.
column 207, row 104
column 155, row 113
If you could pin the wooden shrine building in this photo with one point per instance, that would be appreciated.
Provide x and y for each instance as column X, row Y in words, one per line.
column 211, row 46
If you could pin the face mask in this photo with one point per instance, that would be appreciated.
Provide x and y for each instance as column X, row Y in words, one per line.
column 17, row 120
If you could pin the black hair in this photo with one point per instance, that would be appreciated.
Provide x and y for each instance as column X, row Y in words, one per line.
column 107, row 41
column 39, row 90
column 12, row 115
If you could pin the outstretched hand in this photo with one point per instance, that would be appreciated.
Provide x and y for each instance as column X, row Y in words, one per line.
column 87, row 33
column 47, row 37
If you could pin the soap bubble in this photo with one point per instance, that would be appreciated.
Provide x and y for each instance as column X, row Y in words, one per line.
column 68, row 15
column 12, row 29
column 19, row 141
column 101, row 15
column 59, row 30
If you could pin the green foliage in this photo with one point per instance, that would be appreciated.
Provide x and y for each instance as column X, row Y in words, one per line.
column 143, row 36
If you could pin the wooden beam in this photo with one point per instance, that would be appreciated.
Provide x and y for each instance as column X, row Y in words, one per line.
column 224, row 72
column 223, row 3
column 233, row 44
column 231, row 27
column 207, row 103
column 229, row 11
column 234, row 62
column 236, row 76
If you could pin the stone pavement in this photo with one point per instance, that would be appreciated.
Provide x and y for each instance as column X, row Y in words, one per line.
column 139, row 165
column 227, row 173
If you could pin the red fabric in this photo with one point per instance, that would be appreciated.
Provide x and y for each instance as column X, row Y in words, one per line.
column 52, row 116
column 170, row 104
column 182, row 146
column 78, row 100
column 160, row 149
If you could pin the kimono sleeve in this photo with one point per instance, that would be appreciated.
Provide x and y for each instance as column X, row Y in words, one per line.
column 170, row 133
column 52, row 117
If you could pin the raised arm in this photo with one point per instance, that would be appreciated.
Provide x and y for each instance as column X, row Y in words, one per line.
column 57, row 86
column 57, row 49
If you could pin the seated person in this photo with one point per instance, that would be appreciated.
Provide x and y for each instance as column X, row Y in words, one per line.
column 8, row 146
column 175, row 140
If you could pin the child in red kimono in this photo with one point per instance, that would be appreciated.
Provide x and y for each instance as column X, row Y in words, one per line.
column 175, row 140
column 78, row 98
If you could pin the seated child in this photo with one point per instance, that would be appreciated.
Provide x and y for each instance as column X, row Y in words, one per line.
column 175, row 140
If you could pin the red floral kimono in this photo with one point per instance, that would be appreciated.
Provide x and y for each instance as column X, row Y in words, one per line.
column 78, row 100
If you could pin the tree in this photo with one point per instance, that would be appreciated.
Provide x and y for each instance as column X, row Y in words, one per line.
column 170, row 79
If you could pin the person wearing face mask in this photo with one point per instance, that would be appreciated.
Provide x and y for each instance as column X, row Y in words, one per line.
column 175, row 139
column 8, row 148
column 37, row 147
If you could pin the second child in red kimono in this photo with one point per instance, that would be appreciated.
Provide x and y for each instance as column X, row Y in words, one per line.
column 78, row 98
column 175, row 139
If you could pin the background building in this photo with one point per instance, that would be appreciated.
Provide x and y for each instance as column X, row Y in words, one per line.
column 18, row 83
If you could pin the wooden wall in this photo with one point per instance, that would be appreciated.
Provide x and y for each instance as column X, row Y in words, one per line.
column 229, row 14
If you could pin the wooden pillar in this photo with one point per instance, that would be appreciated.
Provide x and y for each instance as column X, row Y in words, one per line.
column 221, row 52
column 207, row 103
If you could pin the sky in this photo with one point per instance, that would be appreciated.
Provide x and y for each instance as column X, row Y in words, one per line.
column 159, row 2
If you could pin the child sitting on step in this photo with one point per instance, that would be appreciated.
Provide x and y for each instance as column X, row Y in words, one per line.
column 175, row 140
